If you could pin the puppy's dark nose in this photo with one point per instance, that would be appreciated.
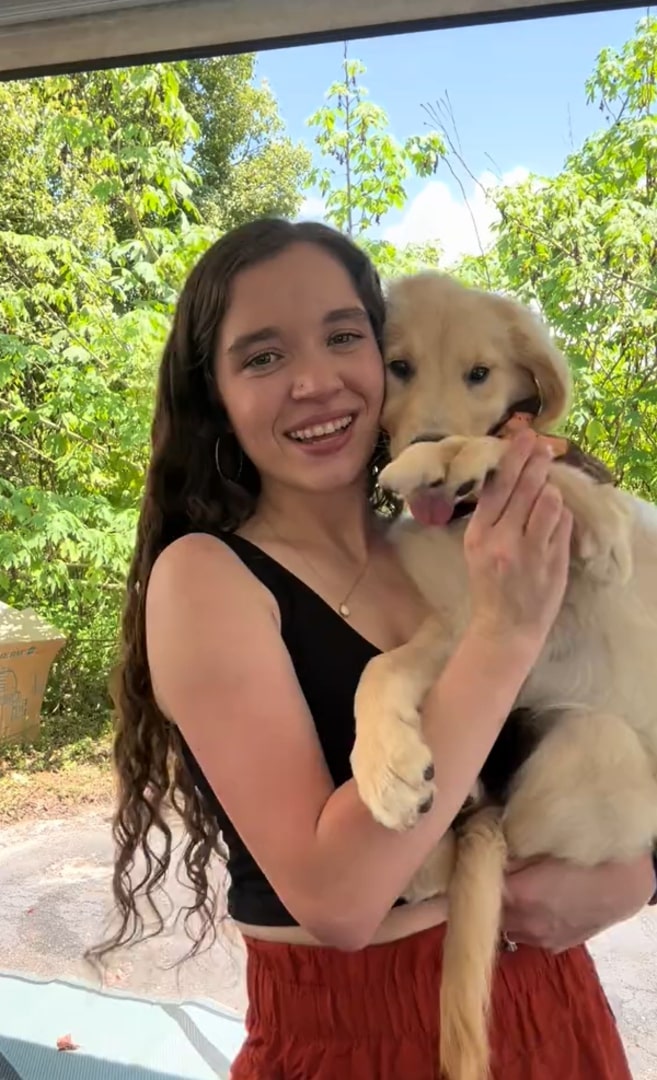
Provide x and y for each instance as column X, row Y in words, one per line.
column 428, row 436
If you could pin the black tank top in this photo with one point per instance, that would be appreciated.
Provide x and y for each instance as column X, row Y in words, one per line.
column 328, row 657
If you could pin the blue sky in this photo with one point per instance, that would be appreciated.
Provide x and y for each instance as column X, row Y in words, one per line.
column 517, row 90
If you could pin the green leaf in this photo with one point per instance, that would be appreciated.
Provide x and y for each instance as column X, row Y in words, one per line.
column 595, row 432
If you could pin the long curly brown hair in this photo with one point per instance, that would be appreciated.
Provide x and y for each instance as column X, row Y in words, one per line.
column 187, row 490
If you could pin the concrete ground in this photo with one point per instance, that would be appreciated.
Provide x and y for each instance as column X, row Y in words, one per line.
column 54, row 889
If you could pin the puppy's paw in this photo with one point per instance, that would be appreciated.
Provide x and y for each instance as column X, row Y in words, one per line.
column 394, row 774
column 390, row 761
column 603, row 542
column 456, row 466
column 469, row 469
column 602, row 525
column 420, row 465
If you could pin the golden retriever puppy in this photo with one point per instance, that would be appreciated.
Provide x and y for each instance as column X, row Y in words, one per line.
column 459, row 363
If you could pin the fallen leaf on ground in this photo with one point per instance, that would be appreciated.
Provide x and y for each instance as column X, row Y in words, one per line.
column 65, row 1042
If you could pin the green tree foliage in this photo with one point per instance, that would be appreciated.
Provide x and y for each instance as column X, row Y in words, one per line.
column 367, row 169
column 246, row 163
column 42, row 192
column 111, row 185
column 583, row 246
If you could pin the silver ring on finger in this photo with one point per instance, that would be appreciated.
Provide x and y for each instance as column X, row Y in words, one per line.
column 508, row 944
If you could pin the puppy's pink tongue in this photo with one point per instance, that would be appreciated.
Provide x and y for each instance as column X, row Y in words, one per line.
column 430, row 508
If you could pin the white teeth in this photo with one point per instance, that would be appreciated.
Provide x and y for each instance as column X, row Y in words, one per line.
column 318, row 430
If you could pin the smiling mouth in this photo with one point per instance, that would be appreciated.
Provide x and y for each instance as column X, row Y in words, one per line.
column 318, row 432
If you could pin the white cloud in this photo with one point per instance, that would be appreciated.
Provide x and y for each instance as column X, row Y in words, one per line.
column 312, row 209
column 437, row 215
column 459, row 226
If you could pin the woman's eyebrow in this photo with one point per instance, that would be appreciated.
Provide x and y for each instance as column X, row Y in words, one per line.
column 254, row 337
column 345, row 314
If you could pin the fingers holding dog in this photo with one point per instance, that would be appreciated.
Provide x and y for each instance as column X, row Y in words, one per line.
column 510, row 487
column 531, row 491
column 518, row 545
column 545, row 516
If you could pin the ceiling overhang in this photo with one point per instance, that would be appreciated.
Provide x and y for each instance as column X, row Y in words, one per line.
column 40, row 37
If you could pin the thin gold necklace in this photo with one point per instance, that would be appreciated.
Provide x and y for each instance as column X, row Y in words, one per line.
column 343, row 607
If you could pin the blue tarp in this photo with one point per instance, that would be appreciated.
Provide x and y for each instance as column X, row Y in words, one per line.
column 120, row 1037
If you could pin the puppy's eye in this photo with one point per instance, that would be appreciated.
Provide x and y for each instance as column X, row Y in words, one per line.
column 478, row 374
column 401, row 369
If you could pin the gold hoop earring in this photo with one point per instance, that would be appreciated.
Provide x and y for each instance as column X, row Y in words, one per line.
column 217, row 461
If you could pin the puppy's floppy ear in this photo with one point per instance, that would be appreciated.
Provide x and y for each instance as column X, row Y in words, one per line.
column 534, row 350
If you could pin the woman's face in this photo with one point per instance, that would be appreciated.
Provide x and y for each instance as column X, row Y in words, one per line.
column 299, row 371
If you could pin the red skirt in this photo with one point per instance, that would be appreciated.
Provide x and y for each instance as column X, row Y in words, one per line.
column 319, row 1014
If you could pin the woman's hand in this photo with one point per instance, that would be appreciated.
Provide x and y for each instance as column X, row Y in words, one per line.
column 554, row 905
column 517, row 546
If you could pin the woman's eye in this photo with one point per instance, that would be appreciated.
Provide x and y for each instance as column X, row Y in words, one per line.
column 345, row 337
column 262, row 360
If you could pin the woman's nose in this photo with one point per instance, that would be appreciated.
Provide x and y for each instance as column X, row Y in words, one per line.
column 317, row 377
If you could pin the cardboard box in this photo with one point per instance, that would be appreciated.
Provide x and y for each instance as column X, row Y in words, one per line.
column 28, row 646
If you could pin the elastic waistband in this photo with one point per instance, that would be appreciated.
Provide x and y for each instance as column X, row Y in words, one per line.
column 393, row 986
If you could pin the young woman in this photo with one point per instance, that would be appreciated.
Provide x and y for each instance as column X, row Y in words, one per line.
column 261, row 585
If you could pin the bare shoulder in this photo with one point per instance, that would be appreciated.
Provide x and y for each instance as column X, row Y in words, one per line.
column 201, row 602
column 199, row 559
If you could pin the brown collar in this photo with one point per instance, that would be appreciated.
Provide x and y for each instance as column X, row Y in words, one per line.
column 521, row 419
column 524, row 414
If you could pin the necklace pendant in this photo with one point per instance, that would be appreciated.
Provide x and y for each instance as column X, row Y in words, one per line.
column 344, row 610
